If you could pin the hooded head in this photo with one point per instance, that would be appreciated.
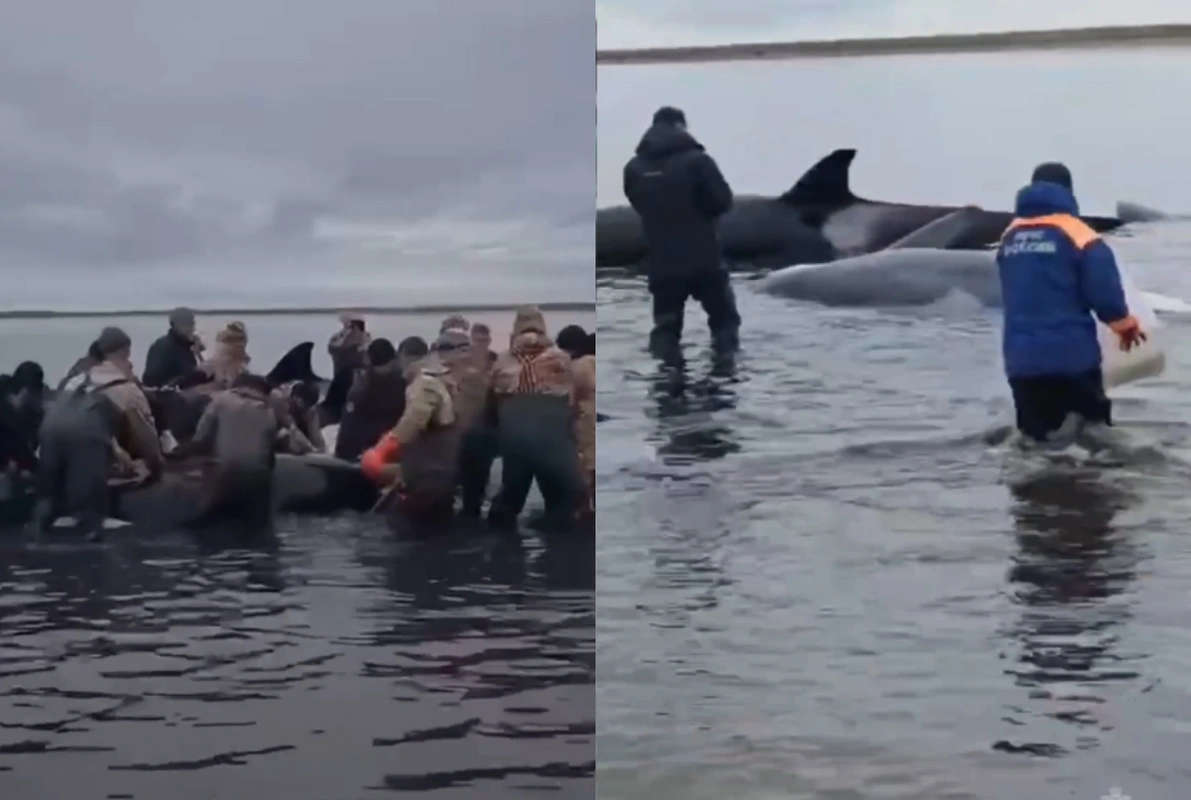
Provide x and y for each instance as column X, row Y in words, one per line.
column 1049, row 192
column 114, row 344
column 1053, row 172
column 529, row 329
column 669, row 115
column 455, row 322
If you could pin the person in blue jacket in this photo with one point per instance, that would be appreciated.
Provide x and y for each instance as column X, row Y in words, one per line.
column 1056, row 273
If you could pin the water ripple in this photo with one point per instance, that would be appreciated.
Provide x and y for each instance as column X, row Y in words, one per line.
column 818, row 579
column 328, row 662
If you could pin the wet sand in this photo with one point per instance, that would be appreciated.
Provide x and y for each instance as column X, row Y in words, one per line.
column 1175, row 35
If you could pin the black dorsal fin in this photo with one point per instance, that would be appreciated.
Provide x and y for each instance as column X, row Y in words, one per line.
column 826, row 183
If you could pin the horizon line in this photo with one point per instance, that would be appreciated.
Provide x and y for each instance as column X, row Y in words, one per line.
column 39, row 313
column 1098, row 37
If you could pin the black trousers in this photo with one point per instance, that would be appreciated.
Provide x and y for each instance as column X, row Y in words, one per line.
column 479, row 449
column 713, row 290
column 1043, row 402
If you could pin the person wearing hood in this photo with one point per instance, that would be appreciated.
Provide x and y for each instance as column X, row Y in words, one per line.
column 230, row 358
column 99, row 413
column 679, row 193
column 349, row 344
column 532, row 387
column 1056, row 273
column 418, row 459
column 240, row 430
column 375, row 401
column 175, row 354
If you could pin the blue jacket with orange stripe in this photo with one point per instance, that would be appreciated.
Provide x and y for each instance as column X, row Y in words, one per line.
column 1055, row 273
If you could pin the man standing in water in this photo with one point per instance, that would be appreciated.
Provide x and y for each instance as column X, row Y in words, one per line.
column 680, row 194
column 1056, row 272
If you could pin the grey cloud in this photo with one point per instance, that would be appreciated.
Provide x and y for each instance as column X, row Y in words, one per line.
column 153, row 135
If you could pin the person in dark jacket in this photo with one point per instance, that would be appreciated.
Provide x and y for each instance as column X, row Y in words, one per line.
column 375, row 401
column 1056, row 273
column 679, row 193
column 173, row 355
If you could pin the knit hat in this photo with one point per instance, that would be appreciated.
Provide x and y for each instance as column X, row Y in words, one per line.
column 1053, row 172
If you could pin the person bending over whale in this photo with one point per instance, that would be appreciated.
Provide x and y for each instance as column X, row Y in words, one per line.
column 99, row 413
column 296, row 406
column 418, row 459
column 1055, row 273
column 679, row 193
column 91, row 359
column 174, row 354
column 375, row 401
column 240, row 430
column 532, row 388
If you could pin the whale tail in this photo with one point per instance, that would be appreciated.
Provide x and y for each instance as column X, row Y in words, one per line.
column 824, row 184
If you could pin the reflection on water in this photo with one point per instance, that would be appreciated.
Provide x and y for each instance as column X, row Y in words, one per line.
column 686, row 410
column 321, row 664
column 1070, row 565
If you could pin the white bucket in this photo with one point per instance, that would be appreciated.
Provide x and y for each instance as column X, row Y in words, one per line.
column 1146, row 360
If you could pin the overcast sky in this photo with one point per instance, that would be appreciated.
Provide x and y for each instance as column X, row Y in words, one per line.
column 661, row 23
column 295, row 152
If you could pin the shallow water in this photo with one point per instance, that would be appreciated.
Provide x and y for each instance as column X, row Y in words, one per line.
column 326, row 665
column 815, row 577
column 332, row 662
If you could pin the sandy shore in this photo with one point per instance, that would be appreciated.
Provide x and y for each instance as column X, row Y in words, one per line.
column 1175, row 35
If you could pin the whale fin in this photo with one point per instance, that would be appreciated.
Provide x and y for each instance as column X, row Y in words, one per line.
column 826, row 183
column 943, row 233
column 1135, row 212
column 294, row 366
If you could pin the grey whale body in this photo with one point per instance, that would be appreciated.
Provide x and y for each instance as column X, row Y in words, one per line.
column 891, row 278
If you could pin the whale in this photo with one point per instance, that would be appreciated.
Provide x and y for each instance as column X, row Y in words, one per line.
column 899, row 277
column 817, row 220
column 311, row 484
column 1136, row 212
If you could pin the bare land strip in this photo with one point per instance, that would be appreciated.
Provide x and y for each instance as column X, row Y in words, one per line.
column 1115, row 37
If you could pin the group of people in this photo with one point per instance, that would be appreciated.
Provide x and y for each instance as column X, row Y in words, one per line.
column 425, row 420
column 1056, row 273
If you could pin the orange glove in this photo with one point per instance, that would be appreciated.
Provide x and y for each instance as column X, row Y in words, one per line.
column 375, row 459
column 1129, row 332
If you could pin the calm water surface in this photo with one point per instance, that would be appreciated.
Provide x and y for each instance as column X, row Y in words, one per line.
column 815, row 578
column 331, row 663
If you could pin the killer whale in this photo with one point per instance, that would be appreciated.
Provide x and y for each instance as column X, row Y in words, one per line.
column 817, row 220
column 899, row 277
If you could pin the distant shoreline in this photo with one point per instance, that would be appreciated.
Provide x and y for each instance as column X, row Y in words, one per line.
column 1104, row 37
column 292, row 312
